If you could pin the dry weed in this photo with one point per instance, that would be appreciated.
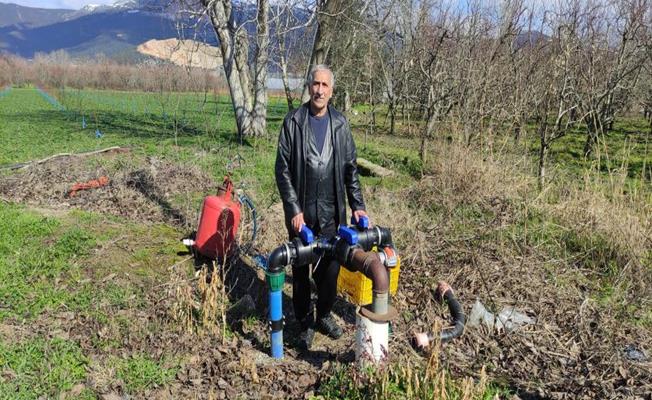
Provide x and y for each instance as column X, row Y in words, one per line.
column 200, row 304
column 459, row 175
column 213, row 299
column 576, row 344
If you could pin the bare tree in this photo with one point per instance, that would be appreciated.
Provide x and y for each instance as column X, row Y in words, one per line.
column 612, row 55
column 246, row 84
column 290, row 27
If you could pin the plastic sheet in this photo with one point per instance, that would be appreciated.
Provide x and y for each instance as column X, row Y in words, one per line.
column 508, row 319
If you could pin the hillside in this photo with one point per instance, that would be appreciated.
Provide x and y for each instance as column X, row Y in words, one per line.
column 113, row 30
column 126, row 29
column 186, row 53
column 28, row 17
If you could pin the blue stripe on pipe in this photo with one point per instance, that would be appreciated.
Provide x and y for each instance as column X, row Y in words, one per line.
column 275, row 305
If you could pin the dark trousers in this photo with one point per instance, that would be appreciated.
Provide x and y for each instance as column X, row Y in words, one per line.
column 325, row 276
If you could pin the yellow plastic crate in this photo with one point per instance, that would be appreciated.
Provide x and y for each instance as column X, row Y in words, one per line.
column 357, row 287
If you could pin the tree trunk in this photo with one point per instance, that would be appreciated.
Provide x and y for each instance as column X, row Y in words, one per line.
column 430, row 129
column 262, row 56
column 286, row 86
column 591, row 136
column 346, row 106
column 224, row 27
column 318, row 56
column 249, row 101
column 543, row 154
column 423, row 151
column 391, row 110
column 286, row 80
column 280, row 38
column 320, row 44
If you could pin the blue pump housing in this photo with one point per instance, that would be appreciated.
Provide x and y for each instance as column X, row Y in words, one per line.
column 363, row 222
column 306, row 235
column 348, row 234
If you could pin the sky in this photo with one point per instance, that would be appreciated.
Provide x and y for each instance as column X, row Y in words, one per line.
column 69, row 4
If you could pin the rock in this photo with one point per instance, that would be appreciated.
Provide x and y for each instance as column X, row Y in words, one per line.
column 633, row 353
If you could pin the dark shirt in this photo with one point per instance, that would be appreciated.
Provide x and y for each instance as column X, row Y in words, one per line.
column 319, row 126
column 320, row 200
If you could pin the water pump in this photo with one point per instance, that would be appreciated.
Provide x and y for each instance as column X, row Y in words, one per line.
column 359, row 247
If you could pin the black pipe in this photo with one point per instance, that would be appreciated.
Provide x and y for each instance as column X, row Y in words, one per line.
column 278, row 259
column 458, row 318
column 375, row 236
column 295, row 252
column 304, row 254
column 421, row 341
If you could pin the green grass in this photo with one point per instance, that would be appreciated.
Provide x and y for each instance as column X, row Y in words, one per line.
column 35, row 252
column 180, row 127
column 40, row 367
column 44, row 270
column 628, row 146
column 141, row 372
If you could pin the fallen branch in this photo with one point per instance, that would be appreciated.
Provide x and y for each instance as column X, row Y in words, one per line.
column 367, row 168
column 28, row 164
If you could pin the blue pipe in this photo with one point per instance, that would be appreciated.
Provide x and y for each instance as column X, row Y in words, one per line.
column 276, row 280
column 276, row 322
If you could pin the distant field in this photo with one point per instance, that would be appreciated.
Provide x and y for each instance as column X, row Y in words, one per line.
column 188, row 127
column 122, row 118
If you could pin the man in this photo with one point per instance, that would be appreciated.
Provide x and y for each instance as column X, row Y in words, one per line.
column 315, row 167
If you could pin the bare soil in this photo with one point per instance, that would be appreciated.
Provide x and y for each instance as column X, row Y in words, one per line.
column 148, row 190
column 186, row 53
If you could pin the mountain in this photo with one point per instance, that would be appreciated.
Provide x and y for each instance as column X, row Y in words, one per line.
column 27, row 17
column 114, row 30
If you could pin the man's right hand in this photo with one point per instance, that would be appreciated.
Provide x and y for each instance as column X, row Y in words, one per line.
column 297, row 222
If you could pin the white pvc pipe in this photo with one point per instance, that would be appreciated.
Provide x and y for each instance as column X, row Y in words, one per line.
column 371, row 340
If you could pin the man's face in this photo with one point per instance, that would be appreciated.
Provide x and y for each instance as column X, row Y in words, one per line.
column 321, row 90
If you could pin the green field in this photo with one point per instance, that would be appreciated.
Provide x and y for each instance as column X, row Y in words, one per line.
column 90, row 300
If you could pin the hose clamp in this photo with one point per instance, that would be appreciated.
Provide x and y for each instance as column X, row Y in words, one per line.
column 388, row 256
column 288, row 255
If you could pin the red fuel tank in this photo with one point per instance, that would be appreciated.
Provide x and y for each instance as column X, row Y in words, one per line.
column 218, row 223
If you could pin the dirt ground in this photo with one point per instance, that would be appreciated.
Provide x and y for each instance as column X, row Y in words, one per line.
column 572, row 350
column 139, row 190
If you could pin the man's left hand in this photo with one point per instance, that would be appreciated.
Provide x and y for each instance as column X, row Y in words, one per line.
column 360, row 213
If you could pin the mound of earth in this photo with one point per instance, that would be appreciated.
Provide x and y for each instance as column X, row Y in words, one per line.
column 150, row 190
column 186, row 53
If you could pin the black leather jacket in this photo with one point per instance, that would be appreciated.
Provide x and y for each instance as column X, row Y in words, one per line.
column 291, row 162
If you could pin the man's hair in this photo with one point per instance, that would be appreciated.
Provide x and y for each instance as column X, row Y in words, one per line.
column 319, row 67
